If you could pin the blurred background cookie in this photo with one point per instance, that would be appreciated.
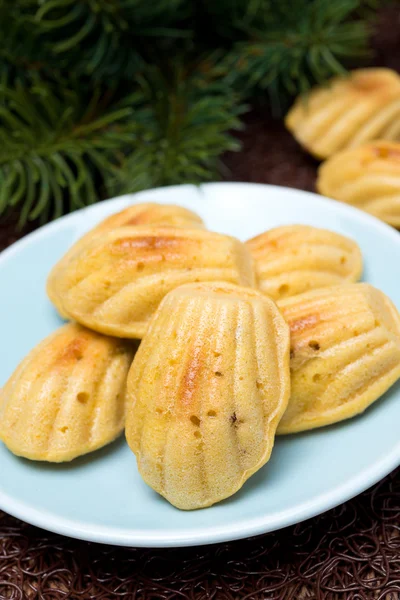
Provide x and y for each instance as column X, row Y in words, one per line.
column 367, row 177
column 347, row 112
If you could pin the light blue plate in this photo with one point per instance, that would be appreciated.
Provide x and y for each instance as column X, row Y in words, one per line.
column 101, row 497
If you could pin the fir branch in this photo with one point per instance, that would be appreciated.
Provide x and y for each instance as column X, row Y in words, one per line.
column 189, row 116
column 63, row 143
column 294, row 44
column 56, row 150
column 19, row 54
column 231, row 18
column 103, row 38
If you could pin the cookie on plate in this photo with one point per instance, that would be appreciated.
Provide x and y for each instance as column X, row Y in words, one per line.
column 145, row 214
column 295, row 258
column 345, row 353
column 206, row 391
column 114, row 283
column 67, row 397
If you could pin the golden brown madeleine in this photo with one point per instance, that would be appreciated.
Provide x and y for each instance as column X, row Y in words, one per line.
column 67, row 397
column 345, row 353
column 117, row 280
column 295, row 258
column 367, row 177
column 348, row 112
column 149, row 213
column 206, row 391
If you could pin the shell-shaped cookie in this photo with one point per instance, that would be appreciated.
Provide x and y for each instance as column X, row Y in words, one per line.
column 345, row 353
column 295, row 258
column 151, row 213
column 145, row 214
column 206, row 392
column 367, row 177
column 115, row 283
column 67, row 397
column 348, row 112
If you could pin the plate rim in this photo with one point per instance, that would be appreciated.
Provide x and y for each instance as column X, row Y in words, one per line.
column 196, row 537
column 334, row 205
column 137, row 538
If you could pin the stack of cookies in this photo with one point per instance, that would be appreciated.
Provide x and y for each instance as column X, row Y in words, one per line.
column 201, row 347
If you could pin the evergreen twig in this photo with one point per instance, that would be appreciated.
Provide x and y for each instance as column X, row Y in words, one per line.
column 64, row 143
column 294, row 44
column 54, row 149
column 103, row 38
column 189, row 116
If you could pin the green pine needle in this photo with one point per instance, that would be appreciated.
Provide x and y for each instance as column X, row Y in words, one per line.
column 94, row 100
column 295, row 44
column 103, row 38
column 55, row 151
column 56, row 154
column 189, row 116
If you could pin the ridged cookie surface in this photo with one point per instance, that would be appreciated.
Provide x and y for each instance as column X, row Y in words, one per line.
column 67, row 397
column 367, row 177
column 115, row 283
column 138, row 215
column 295, row 258
column 345, row 353
column 206, row 392
column 348, row 112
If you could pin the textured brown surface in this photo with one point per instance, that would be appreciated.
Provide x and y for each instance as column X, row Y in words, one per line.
column 350, row 553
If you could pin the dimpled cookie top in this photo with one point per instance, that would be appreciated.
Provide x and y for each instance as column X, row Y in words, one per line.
column 206, row 392
column 345, row 353
column 115, row 283
column 67, row 397
column 149, row 213
column 296, row 258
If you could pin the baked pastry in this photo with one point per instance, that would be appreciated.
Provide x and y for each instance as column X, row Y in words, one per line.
column 367, row 177
column 117, row 280
column 345, row 353
column 296, row 258
column 149, row 213
column 67, row 397
column 206, row 391
column 348, row 112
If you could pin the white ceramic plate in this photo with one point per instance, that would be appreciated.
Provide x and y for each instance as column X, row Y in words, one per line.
column 101, row 497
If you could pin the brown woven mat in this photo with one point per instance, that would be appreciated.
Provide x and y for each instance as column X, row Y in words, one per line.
column 351, row 552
